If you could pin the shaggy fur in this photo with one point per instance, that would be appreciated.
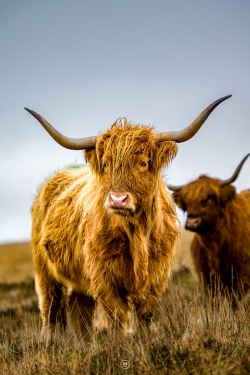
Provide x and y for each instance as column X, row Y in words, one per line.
column 221, row 245
column 86, row 252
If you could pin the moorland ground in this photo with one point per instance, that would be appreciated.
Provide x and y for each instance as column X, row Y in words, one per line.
column 190, row 335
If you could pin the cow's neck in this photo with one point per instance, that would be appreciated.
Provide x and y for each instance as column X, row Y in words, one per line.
column 138, row 230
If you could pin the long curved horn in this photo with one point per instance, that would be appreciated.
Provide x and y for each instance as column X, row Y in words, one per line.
column 187, row 133
column 236, row 173
column 90, row 142
column 70, row 143
column 175, row 188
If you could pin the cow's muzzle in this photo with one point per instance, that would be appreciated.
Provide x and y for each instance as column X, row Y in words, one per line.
column 193, row 223
column 120, row 201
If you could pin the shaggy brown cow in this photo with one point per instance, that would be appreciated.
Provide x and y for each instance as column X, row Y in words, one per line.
column 107, row 233
column 221, row 220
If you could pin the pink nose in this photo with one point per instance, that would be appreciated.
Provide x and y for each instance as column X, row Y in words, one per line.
column 118, row 200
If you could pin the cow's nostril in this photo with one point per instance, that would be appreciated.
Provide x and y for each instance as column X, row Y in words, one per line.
column 116, row 198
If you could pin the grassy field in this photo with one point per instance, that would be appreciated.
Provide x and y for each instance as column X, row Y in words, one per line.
column 189, row 334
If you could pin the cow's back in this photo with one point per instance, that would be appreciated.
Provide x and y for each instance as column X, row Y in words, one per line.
column 54, row 187
column 245, row 194
column 240, row 232
column 243, row 209
column 56, row 212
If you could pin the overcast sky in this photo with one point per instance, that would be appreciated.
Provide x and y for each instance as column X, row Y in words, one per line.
column 82, row 64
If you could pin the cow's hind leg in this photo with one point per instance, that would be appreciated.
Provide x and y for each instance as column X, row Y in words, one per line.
column 52, row 303
column 81, row 310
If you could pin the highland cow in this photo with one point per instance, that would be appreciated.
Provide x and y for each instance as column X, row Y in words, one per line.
column 106, row 233
column 220, row 219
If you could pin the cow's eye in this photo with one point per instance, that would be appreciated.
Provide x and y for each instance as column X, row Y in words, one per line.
column 211, row 198
column 143, row 164
column 104, row 165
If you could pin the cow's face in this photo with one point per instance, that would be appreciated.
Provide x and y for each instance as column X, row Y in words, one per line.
column 203, row 200
column 127, row 162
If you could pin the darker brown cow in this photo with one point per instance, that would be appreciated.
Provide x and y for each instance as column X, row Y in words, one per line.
column 220, row 219
column 107, row 233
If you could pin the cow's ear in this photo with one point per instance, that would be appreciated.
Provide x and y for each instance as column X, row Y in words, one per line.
column 91, row 158
column 228, row 192
column 165, row 152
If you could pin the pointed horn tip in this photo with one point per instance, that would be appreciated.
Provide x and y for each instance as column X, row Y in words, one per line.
column 236, row 172
column 29, row 110
column 218, row 101
column 33, row 113
column 245, row 158
column 227, row 96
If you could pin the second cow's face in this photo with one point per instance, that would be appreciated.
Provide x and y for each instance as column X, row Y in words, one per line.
column 203, row 200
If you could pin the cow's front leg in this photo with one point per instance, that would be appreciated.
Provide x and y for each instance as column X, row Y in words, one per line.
column 144, row 312
column 116, row 309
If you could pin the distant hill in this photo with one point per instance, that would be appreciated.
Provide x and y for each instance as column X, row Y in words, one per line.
column 16, row 262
